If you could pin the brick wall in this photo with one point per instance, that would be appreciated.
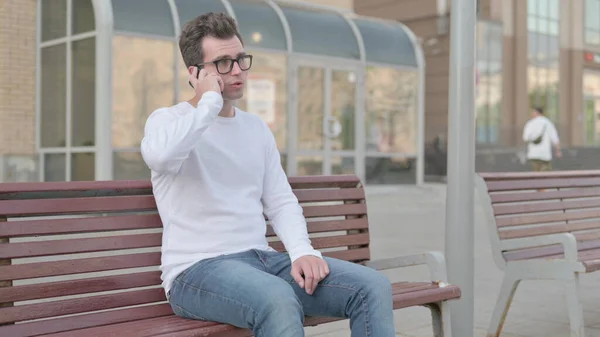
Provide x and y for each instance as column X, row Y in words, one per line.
column 17, row 76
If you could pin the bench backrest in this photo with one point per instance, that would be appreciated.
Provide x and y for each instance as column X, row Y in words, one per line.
column 529, row 204
column 83, row 247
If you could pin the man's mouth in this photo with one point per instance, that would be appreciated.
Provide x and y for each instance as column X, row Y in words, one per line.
column 237, row 84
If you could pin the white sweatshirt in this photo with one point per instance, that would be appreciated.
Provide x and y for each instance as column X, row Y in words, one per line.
column 213, row 177
column 532, row 130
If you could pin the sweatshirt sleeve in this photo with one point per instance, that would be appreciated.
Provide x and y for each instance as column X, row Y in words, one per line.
column 169, row 138
column 281, row 205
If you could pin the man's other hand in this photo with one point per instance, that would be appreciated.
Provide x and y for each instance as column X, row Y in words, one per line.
column 308, row 271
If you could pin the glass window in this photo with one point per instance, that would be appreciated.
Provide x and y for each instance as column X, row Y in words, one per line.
column 592, row 37
column 259, row 24
column 488, row 93
column 53, row 96
column 309, row 165
column 311, row 105
column 83, row 19
column 143, row 16
column 55, row 167
column 83, row 97
column 129, row 166
column 190, row 9
column 391, row 110
column 532, row 7
column 321, row 33
column 543, row 56
column 390, row 170
column 143, row 80
column 266, row 93
column 82, row 167
column 592, row 22
column 386, row 43
column 343, row 106
column 54, row 19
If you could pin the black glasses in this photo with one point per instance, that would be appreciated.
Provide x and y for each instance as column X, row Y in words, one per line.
column 224, row 66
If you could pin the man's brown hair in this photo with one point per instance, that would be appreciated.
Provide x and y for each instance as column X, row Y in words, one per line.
column 217, row 25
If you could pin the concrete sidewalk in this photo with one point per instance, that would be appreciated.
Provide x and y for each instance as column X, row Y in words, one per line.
column 410, row 219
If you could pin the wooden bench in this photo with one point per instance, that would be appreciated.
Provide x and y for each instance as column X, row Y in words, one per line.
column 542, row 225
column 82, row 258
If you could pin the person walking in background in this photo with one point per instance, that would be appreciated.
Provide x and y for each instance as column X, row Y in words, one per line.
column 541, row 136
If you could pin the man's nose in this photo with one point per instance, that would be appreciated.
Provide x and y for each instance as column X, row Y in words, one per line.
column 236, row 69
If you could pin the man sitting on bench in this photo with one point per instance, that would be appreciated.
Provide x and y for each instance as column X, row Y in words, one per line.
column 215, row 171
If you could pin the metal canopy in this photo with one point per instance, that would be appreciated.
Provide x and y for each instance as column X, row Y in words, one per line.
column 290, row 26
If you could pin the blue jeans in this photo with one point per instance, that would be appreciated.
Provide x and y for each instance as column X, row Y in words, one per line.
column 254, row 289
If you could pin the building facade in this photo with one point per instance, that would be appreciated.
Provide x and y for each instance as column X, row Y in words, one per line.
column 342, row 93
column 529, row 53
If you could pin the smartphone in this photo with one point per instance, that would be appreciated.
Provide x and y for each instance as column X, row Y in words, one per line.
column 197, row 75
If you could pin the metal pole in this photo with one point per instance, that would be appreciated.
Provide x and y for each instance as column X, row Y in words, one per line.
column 461, row 164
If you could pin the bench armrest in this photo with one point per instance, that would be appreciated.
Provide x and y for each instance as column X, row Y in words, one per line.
column 435, row 261
column 567, row 240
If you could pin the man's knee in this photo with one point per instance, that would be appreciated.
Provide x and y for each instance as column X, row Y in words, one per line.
column 376, row 284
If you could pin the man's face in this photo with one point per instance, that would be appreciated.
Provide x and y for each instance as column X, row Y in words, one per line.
column 219, row 49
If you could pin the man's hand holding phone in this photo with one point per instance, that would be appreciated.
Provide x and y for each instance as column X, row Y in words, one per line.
column 204, row 81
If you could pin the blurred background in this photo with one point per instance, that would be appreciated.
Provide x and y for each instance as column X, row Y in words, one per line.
column 346, row 86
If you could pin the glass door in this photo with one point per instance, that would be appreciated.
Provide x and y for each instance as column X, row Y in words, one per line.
column 323, row 123
column 591, row 118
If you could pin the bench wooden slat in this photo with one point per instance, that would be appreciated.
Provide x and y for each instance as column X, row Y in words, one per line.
column 591, row 254
column 331, row 226
column 545, row 206
column 334, row 210
column 302, row 182
column 587, row 236
column 330, row 195
column 532, row 219
column 545, row 195
column 80, row 225
column 79, row 286
column 406, row 287
column 541, row 183
column 591, row 266
column 152, row 327
column 323, row 181
column 80, row 305
column 72, row 246
column 230, row 331
column 536, row 252
column 494, row 176
column 331, row 241
column 86, row 320
column 117, row 262
column 44, row 207
column 353, row 255
column 125, row 186
column 405, row 294
column 78, row 266
column 435, row 295
column 142, row 221
column 95, row 264
column 548, row 229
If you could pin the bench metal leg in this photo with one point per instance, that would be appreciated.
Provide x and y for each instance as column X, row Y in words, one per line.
column 574, row 306
column 440, row 316
column 505, row 297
